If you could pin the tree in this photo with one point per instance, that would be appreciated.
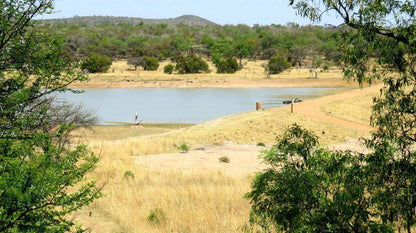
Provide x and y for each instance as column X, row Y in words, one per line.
column 168, row 69
column 95, row 63
column 307, row 189
column 135, row 61
column 227, row 66
column 242, row 48
column 277, row 64
column 42, row 177
column 380, row 43
column 191, row 64
column 150, row 63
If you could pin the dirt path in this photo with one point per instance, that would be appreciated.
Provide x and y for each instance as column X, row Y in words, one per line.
column 311, row 108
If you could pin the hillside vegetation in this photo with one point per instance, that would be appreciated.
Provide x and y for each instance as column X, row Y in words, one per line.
column 134, row 39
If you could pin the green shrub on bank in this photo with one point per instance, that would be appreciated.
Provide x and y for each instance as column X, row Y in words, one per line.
column 277, row 64
column 168, row 69
column 150, row 63
column 96, row 63
column 227, row 66
column 191, row 64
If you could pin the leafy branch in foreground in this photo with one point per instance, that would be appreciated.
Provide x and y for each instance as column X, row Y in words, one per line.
column 42, row 177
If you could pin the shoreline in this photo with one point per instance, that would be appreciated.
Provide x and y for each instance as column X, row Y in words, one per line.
column 95, row 82
column 122, row 75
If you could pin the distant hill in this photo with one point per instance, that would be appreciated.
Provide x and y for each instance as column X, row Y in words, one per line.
column 191, row 20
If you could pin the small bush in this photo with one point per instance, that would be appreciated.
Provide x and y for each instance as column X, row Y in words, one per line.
column 128, row 174
column 261, row 144
column 184, row 148
column 191, row 64
column 156, row 217
column 150, row 63
column 224, row 159
column 227, row 66
column 277, row 64
column 95, row 63
column 168, row 69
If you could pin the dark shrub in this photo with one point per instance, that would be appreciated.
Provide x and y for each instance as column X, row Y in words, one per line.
column 191, row 64
column 95, row 63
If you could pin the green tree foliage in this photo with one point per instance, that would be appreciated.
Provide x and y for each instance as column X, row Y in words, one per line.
column 243, row 47
column 306, row 189
column 96, row 63
column 379, row 193
column 123, row 40
column 227, row 66
column 42, row 178
column 191, row 64
column 150, row 63
column 277, row 64
column 168, row 69
column 181, row 43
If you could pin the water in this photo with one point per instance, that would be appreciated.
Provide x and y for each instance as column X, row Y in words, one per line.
column 176, row 105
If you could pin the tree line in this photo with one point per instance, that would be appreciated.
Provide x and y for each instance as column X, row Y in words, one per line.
column 290, row 45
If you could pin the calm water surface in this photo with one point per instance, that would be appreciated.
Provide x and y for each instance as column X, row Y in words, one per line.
column 196, row 105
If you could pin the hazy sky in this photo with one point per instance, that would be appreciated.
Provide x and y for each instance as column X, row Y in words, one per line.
column 263, row 12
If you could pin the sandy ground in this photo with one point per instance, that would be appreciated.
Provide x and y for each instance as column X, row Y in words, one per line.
column 244, row 159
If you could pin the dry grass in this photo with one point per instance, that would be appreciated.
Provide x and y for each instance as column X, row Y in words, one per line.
column 191, row 201
column 251, row 69
column 117, row 132
column 250, row 128
column 357, row 109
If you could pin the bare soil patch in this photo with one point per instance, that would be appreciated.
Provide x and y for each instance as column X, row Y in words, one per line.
column 243, row 159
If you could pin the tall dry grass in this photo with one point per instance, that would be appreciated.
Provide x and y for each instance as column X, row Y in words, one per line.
column 180, row 201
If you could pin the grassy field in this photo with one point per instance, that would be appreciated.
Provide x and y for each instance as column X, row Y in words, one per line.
column 140, row 199
column 355, row 109
column 120, row 131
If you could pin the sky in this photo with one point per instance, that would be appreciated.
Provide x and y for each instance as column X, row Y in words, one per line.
column 249, row 12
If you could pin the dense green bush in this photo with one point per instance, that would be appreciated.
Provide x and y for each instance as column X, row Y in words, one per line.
column 168, row 69
column 191, row 64
column 306, row 187
column 277, row 64
column 96, row 63
column 150, row 63
column 227, row 66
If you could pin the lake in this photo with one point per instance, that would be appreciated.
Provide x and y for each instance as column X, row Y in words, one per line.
column 179, row 105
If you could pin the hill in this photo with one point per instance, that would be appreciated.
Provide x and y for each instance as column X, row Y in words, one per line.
column 190, row 20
